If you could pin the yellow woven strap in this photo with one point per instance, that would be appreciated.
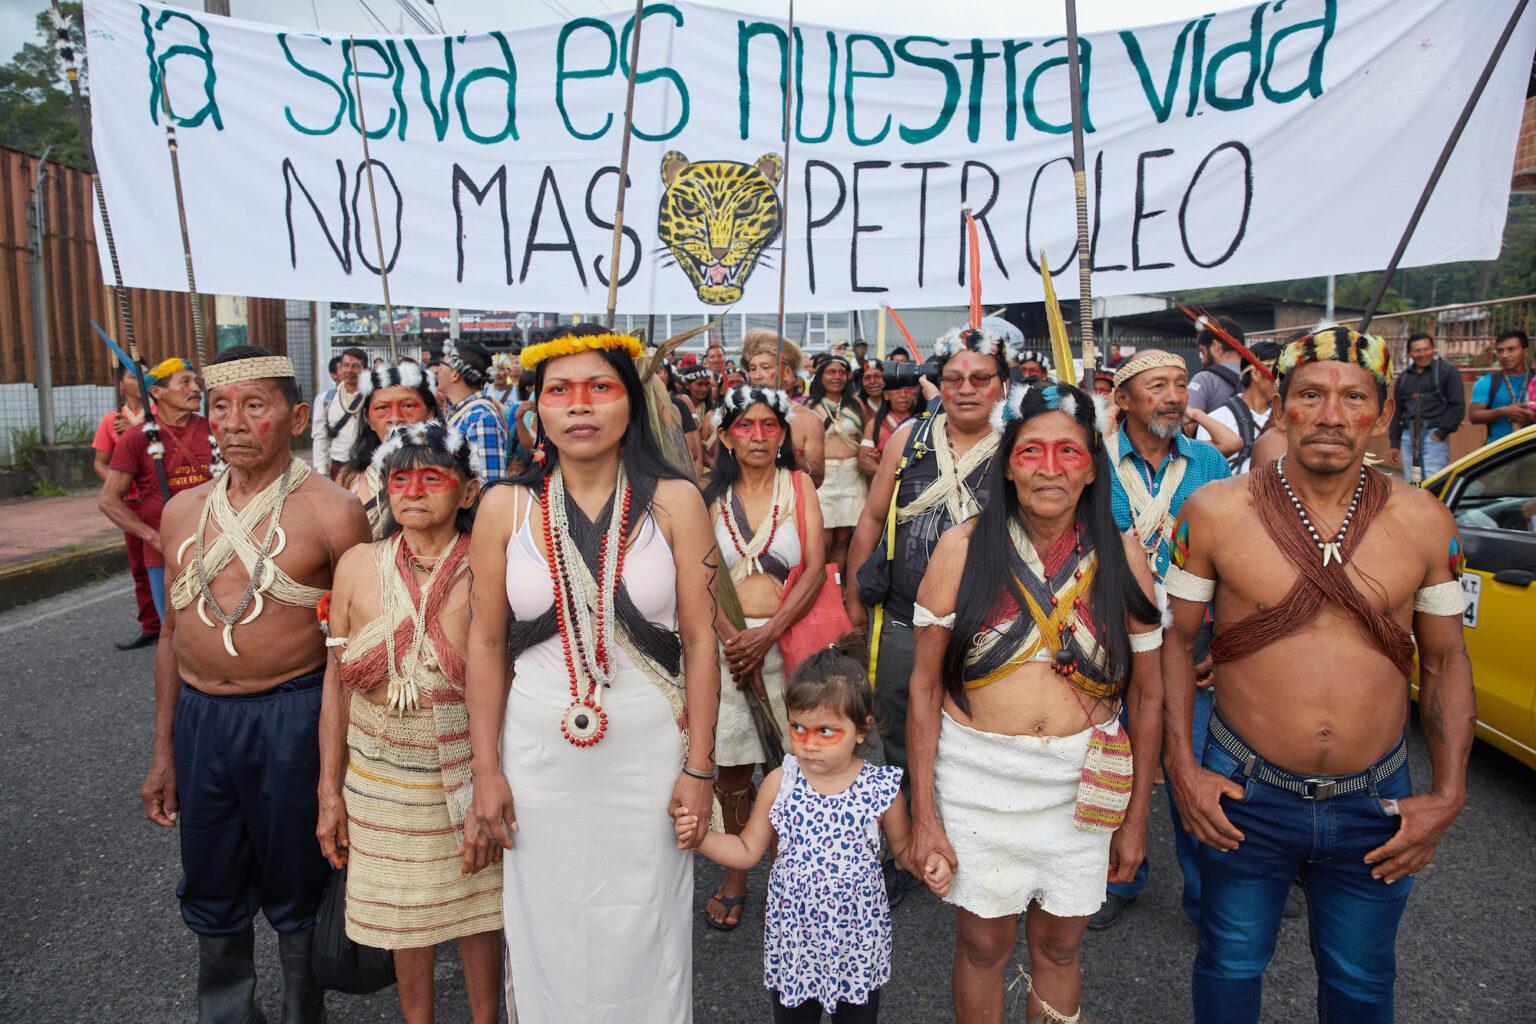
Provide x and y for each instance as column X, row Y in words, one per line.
column 238, row 371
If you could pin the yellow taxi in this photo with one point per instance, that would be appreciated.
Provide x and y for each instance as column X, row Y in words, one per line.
column 1492, row 494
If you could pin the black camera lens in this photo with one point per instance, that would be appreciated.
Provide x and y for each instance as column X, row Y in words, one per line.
column 899, row 375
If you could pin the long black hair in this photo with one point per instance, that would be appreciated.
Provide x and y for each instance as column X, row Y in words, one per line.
column 849, row 399
column 428, row 446
column 988, row 580
column 733, row 405
column 640, row 450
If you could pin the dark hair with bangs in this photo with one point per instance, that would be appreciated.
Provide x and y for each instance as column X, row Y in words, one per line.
column 849, row 399
column 368, row 439
column 641, row 450
column 726, row 469
column 988, row 581
column 416, row 456
column 836, row 677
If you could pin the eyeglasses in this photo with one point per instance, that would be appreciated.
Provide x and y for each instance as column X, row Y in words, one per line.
column 978, row 381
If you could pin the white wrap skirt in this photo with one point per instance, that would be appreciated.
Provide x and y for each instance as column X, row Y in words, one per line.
column 736, row 741
column 1007, row 805
column 597, row 899
column 842, row 493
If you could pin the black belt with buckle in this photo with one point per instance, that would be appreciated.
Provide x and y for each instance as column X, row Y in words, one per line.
column 1313, row 788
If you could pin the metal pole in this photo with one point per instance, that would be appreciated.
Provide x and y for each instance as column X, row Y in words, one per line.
column 373, row 203
column 618, row 206
column 322, row 333
column 789, row 132
column 1328, row 309
column 1080, row 190
column 1439, row 168
column 35, row 223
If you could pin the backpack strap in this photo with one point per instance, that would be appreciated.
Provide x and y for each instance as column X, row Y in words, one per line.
column 1247, row 429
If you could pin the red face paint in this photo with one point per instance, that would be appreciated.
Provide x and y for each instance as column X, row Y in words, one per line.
column 421, row 481
column 399, row 410
column 824, row 736
column 263, row 428
column 1051, row 456
column 563, row 394
column 762, row 429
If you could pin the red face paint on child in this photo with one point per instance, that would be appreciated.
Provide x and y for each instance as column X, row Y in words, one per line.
column 421, row 481
column 823, row 736
column 1050, row 456
column 562, row 394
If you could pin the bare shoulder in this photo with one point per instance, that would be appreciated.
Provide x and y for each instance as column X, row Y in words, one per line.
column 1219, row 500
column 354, row 563
column 1421, row 516
column 680, row 502
column 325, row 496
column 954, row 544
column 184, row 504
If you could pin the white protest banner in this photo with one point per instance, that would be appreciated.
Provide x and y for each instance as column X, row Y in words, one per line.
column 1287, row 139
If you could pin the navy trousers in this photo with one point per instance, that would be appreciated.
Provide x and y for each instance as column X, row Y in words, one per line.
column 247, row 770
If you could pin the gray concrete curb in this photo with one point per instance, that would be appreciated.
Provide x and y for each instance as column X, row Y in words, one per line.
column 57, row 573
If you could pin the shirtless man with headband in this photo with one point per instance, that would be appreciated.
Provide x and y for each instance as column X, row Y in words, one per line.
column 237, row 687
column 1319, row 567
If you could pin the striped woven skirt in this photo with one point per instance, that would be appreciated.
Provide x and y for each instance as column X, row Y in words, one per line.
column 404, row 889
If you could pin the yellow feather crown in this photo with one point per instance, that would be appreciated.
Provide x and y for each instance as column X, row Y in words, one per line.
column 1342, row 344
column 571, row 344
column 166, row 369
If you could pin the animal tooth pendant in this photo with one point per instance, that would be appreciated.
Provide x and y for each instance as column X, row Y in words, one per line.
column 229, row 643
column 1331, row 551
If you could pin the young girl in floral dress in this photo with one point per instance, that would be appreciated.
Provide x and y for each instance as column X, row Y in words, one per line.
column 827, row 929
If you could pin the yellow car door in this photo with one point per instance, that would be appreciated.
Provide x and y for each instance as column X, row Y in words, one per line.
column 1492, row 494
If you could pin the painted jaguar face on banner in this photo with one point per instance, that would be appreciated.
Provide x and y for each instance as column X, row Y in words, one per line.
column 716, row 217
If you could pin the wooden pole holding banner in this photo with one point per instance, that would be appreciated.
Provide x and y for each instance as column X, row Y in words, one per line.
column 199, row 324
column 618, row 207
column 1080, row 190
column 1439, row 168
column 373, row 203
column 789, row 131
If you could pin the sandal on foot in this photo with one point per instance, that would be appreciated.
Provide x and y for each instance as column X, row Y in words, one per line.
column 730, row 903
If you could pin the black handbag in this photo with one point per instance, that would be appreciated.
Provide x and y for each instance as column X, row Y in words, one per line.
column 339, row 964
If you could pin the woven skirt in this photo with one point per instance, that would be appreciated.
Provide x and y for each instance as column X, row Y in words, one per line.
column 1007, row 805
column 404, row 889
column 842, row 493
column 736, row 741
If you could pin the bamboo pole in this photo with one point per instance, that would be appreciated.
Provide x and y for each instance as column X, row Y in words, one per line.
column 373, row 204
column 1080, row 190
column 618, row 206
column 789, row 131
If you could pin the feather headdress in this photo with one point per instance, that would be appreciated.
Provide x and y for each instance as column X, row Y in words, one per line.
column 1026, row 401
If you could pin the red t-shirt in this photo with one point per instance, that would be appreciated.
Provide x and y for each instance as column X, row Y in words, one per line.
column 106, row 441
column 186, row 459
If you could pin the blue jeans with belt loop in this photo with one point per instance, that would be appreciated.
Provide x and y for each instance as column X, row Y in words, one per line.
column 1353, row 917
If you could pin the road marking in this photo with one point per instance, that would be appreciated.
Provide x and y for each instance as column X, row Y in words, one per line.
column 43, row 616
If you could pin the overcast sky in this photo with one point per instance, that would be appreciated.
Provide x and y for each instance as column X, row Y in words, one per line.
column 950, row 19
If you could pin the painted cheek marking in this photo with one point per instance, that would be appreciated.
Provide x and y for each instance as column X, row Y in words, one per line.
column 816, row 739
column 756, row 430
column 407, row 409
column 263, row 427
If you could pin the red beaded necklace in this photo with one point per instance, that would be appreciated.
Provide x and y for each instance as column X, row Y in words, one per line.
column 585, row 721
column 729, row 516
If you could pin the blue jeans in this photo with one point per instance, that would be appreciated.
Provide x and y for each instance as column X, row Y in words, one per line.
column 1436, row 455
column 1184, row 844
column 1353, row 917
column 156, row 574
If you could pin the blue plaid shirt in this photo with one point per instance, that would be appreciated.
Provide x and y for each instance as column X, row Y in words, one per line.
column 1206, row 463
column 485, row 428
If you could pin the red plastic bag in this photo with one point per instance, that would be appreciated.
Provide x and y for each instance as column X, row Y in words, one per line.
column 827, row 617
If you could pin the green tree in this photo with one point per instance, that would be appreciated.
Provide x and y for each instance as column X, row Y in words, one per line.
column 36, row 110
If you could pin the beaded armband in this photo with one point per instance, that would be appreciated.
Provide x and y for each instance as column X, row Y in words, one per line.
column 1441, row 599
column 923, row 617
column 1143, row 642
column 1187, row 586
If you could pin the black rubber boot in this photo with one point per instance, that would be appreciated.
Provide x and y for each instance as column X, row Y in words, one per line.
column 226, row 979
column 303, row 998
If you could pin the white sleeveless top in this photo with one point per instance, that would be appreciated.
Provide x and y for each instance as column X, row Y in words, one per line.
column 785, row 546
column 650, row 577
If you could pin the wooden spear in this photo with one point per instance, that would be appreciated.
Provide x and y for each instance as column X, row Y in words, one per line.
column 618, row 206
column 373, row 203
column 1080, row 188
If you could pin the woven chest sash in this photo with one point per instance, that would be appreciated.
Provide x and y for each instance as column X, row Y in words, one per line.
column 1150, row 518
column 949, row 488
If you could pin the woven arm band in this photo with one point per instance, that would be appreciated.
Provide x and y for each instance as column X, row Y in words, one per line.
column 1143, row 642
column 1187, row 586
column 1441, row 599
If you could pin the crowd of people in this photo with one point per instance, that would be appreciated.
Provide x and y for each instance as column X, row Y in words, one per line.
column 525, row 632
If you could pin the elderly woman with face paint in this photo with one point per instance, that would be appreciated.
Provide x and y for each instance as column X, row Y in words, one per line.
column 394, row 746
column 393, row 396
column 1035, row 623
column 768, row 528
column 592, row 579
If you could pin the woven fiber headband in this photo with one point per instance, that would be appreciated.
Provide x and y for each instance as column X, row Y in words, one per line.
column 238, row 371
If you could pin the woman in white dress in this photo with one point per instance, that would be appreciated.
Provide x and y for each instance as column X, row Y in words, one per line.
column 593, row 575
column 767, row 527
column 843, row 488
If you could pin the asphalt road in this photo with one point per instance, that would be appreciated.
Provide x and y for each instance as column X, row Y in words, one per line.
column 90, row 931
